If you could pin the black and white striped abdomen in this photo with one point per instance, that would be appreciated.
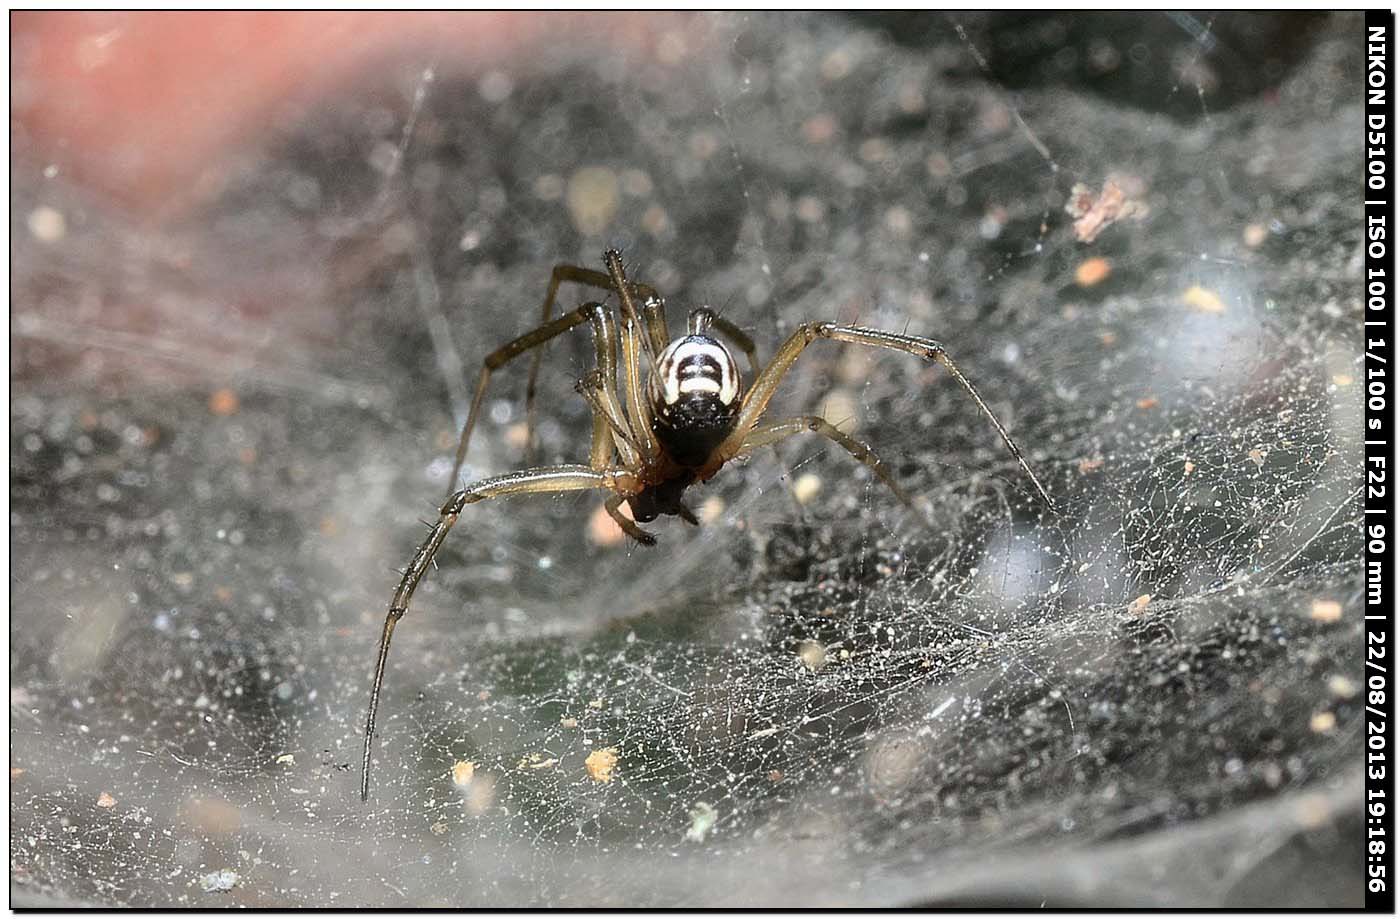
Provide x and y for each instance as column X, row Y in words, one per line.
column 694, row 397
column 696, row 366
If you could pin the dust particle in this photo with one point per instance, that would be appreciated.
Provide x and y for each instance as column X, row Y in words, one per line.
column 1326, row 611
column 1202, row 300
column 462, row 772
column 47, row 224
column 218, row 881
column 592, row 198
column 702, row 819
column 600, row 765
column 1322, row 722
column 16, row 772
column 775, row 776
column 1188, row 467
column 286, row 759
column 1147, row 402
column 517, row 436
column 1254, row 235
column 1138, row 606
column 1256, row 456
column 812, row 654
column 1341, row 687
column 1092, row 271
column 1094, row 214
column 223, row 402
column 1342, row 379
column 710, row 509
column 819, row 128
column 438, row 828
column 568, row 722
column 1090, row 464
column 807, row 487
column 1312, row 811
column 106, row 800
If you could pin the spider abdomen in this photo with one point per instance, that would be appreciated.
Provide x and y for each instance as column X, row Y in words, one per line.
column 695, row 398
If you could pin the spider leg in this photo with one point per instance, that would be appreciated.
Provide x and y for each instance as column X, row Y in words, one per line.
column 634, row 389
column 700, row 321
column 627, row 524
column 609, row 424
column 651, row 318
column 757, row 399
column 772, row 433
column 577, row 275
column 543, row 479
column 605, row 347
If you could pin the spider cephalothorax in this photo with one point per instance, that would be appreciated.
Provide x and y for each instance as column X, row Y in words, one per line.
column 667, row 414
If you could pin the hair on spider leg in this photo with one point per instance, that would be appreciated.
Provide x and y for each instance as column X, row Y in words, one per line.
column 668, row 414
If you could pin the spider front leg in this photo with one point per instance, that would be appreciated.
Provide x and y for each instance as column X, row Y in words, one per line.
column 761, row 393
column 544, row 479
column 652, row 307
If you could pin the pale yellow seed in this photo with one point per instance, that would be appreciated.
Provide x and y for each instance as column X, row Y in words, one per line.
column 462, row 772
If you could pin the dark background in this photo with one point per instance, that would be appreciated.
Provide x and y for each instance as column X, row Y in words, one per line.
column 255, row 265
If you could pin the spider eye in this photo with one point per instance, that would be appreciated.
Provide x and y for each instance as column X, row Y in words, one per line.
column 695, row 367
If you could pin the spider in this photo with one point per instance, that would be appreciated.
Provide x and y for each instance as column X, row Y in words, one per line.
column 682, row 413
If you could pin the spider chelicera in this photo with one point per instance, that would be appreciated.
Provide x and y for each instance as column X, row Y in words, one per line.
column 681, row 415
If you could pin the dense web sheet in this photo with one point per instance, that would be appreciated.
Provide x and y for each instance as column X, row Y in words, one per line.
column 224, row 432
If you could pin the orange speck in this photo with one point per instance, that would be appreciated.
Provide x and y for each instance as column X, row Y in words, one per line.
column 106, row 800
column 1137, row 606
column 1147, row 402
column 223, row 402
column 1092, row 271
column 247, row 456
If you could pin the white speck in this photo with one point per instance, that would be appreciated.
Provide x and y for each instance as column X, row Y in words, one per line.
column 702, row 819
column 923, row 256
column 545, row 563
column 51, row 171
column 215, row 881
column 47, row 224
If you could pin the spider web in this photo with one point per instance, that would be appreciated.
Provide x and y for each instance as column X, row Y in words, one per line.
column 820, row 697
